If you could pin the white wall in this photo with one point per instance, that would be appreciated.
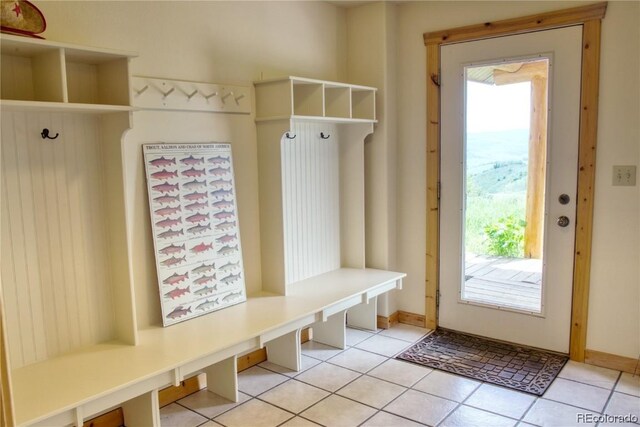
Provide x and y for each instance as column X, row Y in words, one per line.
column 614, row 320
column 222, row 42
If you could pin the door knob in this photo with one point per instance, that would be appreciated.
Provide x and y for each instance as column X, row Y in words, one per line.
column 563, row 221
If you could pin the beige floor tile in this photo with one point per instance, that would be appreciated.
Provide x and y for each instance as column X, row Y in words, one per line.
column 254, row 413
column 355, row 336
column 421, row 407
column 466, row 416
column 174, row 415
column 257, row 380
column 371, row 391
column 629, row 384
column 328, row 377
column 306, row 362
column 210, row 404
column 210, row 424
column 402, row 373
column 577, row 394
column 319, row 351
column 624, row 404
column 446, row 385
column 383, row 345
column 384, row 419
column 500, row 400
column 357, row 360
column 337, row 411
column 404, row 332
column 589, row 374
column 299, row 422
column 547, row 413
column 294, row 396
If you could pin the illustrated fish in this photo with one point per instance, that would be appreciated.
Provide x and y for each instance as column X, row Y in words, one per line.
column 197, row 218
column 167, row 211
column 169, row 222
column 190, row 161
column 204, row 279
column 223, row 226
column 218, row 160
column 218, row 183
column 222, row 204
column 206, row 290
column 224, row 215
column 199, row 229
column 177, row 293
column 178, row 312
column 227, row 238
column 194, row 184
column 171, row 249
column 164, row 174
column 196, row 205
column 219, row 194
column 170, row 233
column 230, row 266
column 165, row 200
column 175, row 278
column 207, row 305
column 172, row 261
column 219, row 171
column 231, row 278
column 162, row 162
column 232, row 296
column 202, row 247
column 165, row 187
column 226, row 250
column 196, row 196
column 193, row 172
column 203, row 268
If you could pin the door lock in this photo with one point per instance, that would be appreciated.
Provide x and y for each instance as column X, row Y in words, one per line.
column 564, row 199
column 563, row 221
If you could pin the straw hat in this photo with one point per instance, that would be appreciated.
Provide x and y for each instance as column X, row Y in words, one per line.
column 21, row 17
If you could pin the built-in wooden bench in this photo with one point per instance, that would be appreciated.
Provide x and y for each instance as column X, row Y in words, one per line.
column 73, row 387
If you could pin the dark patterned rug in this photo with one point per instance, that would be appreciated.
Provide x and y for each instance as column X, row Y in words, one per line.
column 508, row 365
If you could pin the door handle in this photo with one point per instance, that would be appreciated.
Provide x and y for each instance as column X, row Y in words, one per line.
column 563, row 221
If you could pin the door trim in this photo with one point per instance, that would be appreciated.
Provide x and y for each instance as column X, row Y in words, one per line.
column 590, row 18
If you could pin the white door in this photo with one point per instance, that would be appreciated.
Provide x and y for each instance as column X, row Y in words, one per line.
column 509, row 155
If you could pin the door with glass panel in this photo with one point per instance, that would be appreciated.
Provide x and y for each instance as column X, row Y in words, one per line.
column 510, row 120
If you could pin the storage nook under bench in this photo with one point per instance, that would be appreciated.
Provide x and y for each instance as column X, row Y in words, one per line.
column 71, row 345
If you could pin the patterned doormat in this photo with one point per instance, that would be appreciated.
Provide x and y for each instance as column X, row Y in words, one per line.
column 507, row 365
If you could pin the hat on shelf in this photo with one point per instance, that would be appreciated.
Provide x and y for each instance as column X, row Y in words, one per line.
column 22, row 18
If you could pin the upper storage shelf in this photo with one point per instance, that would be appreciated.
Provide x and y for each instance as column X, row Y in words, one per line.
column 297, row 97
column 45, row 75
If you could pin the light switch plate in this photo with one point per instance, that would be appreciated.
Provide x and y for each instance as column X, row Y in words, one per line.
column 624, row 175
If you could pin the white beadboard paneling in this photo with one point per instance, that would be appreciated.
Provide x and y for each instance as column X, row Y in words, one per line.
column 54, row 244
column 310, row 186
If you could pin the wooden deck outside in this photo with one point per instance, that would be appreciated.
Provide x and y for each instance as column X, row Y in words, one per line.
column 508, row 282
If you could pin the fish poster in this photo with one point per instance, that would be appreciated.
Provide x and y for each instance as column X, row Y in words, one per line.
column 194, row 220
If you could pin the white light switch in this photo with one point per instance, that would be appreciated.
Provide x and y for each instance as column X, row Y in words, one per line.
column 624, row 175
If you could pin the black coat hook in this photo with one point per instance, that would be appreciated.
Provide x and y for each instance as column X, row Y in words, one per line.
column 323, row 136
column 45, row 134
column 289, row 136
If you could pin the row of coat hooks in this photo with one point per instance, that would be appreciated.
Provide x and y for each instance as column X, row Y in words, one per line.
column 289, row 135
column 190, row 95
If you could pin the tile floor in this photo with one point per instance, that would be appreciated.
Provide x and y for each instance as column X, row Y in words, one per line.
column 364, row 386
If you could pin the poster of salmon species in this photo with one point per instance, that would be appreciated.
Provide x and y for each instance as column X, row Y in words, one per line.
column 194, row 220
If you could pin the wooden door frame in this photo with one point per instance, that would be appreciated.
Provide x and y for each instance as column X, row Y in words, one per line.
column 590, row 18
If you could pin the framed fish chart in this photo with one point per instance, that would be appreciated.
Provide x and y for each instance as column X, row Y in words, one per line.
column 195, row 229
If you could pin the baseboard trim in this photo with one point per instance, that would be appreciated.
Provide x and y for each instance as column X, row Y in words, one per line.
column 385, row 322
column 411, row 319
column 113, row 418
column 612, row 361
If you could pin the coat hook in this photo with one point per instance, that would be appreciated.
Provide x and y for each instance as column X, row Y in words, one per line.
column 45, row 134
column 210, row 95
column 289, row 136
column 167, row 93
column 224, row 97
column 239, row 97
column 192, row 94
column 141, row 91
column 323, row 136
